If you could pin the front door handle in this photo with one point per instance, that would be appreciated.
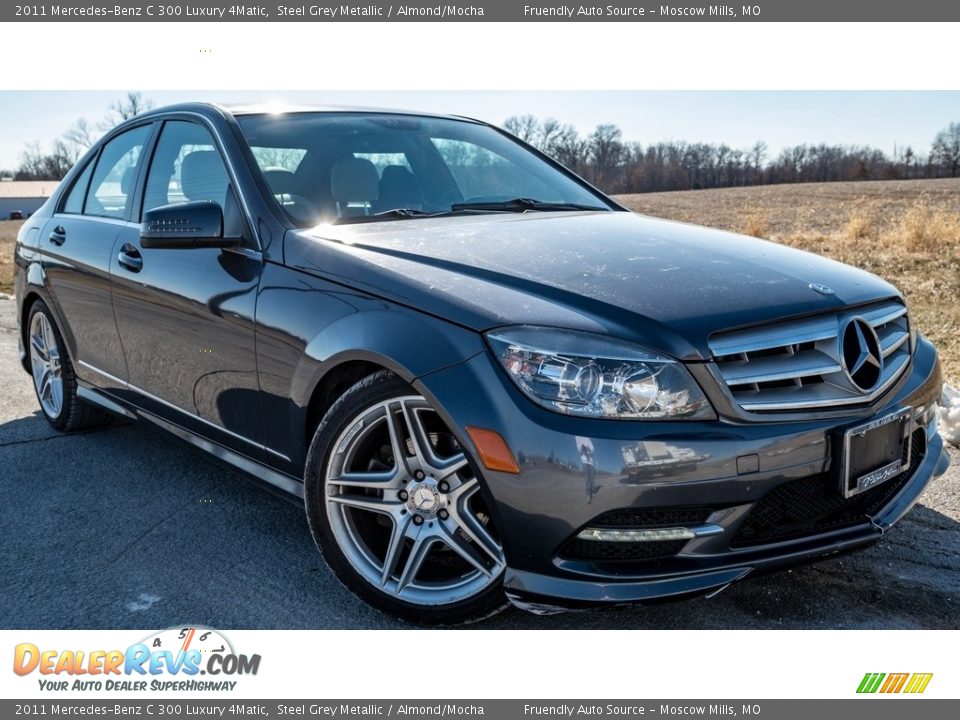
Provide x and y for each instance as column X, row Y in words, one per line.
column 130, row 258
column 58, row 236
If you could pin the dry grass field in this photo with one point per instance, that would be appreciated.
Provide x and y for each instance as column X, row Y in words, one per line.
column 907, row 232
column 8, row 235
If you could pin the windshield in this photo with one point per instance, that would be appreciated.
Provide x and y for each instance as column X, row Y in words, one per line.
column 361, row 167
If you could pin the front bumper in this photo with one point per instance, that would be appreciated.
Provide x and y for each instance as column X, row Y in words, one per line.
column 724, row 466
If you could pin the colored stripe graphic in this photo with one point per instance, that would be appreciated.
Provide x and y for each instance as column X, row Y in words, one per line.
column 870, row 682
column 894, row 683
column 918, row 682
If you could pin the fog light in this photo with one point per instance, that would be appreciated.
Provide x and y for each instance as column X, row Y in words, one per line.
column 649, row 535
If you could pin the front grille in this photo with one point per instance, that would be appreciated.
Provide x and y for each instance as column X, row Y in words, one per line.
column 594, row 551
column 635, row 519
column 798, row 364
column 641, row 518
column 814, row 504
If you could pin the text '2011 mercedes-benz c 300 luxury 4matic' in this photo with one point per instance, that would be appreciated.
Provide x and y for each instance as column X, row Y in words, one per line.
column 486, row 380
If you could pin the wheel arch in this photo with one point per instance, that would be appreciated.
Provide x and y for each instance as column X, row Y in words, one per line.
column 31, row 298
column 406, row 343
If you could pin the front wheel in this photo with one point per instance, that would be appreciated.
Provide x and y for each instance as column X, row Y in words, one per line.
column 396, row 509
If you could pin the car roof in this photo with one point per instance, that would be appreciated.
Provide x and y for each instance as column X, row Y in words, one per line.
column 238, row 110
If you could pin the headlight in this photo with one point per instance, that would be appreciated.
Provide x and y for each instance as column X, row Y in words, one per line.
column 578, row 373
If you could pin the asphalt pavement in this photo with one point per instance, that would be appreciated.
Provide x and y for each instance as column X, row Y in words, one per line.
column 126, row 527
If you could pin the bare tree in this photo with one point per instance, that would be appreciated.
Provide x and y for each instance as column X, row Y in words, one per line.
column 31, row 162
column 127, row 107
column 525, row 127
column 606, row 151
column 80, row 135
column 946, row 148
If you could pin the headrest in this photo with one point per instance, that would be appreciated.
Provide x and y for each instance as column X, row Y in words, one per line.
column 399, row 188
column 126, row 181
column 281, row 181
column 202, row 176
column 354, row 180
column 397, row 174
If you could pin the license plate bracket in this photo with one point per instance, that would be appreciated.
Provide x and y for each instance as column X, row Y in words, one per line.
column 875, row 452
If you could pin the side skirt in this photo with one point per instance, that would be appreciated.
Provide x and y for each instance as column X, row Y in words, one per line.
column 292, row 488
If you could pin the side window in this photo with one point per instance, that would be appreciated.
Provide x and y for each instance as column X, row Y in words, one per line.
column 113, row 180
column 186, row 166
column 74, row 201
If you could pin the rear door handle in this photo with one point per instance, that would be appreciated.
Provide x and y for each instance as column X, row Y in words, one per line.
column 130, row 258
column 58, row 236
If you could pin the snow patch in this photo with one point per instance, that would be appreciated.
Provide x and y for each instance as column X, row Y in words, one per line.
column 950, row 415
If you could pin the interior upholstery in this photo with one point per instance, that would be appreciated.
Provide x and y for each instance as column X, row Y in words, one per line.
column 202, row 177
column 354, row 185
column 399, row 188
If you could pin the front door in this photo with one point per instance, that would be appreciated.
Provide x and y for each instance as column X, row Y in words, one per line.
column 186, row 316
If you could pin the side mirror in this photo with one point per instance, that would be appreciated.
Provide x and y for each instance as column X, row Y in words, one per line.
column 186, row 225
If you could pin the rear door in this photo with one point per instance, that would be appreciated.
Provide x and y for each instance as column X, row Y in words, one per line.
column 186, row 316
column 78, row 244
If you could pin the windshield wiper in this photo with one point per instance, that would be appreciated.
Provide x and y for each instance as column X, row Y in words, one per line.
column 522, row 204
column 465, row 208
column 395, row 214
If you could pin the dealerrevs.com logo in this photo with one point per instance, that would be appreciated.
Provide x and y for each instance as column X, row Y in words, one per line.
column 890, row 683
column 173, row 659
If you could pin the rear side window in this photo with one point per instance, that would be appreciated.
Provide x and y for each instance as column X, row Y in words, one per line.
column 186, row 166
column 114, row 179
column 74, row 202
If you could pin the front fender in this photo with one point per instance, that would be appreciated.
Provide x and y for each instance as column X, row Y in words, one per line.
column 308, row 327
column 410, row 344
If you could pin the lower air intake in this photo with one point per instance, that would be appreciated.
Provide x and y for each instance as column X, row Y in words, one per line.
column 814, row 504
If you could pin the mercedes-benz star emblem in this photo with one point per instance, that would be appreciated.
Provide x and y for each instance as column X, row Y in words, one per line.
column 424, row 499
column 860, row 354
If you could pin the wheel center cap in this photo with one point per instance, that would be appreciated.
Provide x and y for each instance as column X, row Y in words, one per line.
column 424, row 498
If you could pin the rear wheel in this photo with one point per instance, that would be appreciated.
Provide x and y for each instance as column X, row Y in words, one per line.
column 54, row 379
column 396, row 509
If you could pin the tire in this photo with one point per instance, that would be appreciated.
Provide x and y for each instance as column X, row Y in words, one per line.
column 54, row 379
column 414, row 539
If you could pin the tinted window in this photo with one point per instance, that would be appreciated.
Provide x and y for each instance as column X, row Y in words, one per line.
column 113, row 181
column 481, row 173
column 186, row 166
column 74, row 202
column 327, row 166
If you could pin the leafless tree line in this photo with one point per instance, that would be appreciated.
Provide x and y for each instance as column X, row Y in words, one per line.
column 609, row 161
column 40, row 163
column 619, row 166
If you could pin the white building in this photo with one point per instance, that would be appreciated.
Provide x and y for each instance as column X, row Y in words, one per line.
column 25, row 196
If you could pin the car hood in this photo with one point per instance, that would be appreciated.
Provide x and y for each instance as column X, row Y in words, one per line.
column 664, row 284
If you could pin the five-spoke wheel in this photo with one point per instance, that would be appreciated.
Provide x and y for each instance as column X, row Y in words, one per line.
column 54, row 378
column 45, row 364
column 397, row 509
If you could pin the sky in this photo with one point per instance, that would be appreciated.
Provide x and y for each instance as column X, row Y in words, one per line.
column 739, row 118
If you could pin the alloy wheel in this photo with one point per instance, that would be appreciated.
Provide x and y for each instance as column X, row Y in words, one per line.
column 405, row 507
column 45, row 363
